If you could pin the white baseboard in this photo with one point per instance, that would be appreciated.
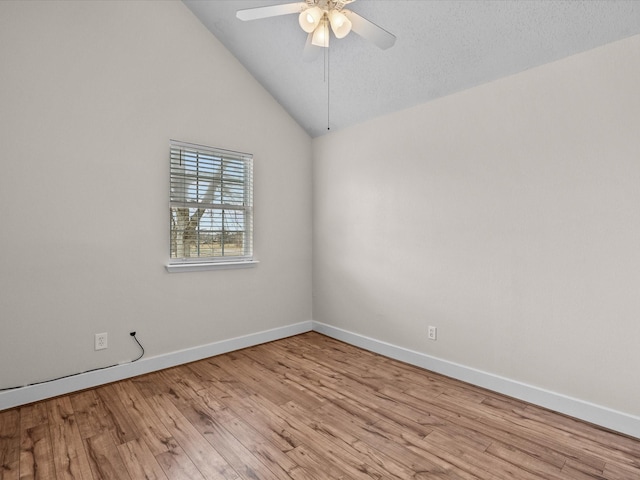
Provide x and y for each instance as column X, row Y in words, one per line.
column 596, row 414
column 34, row 393
column 589, row 412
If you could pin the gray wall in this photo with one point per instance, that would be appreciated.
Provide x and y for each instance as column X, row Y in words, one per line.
column 507, row 216
column 90, row 95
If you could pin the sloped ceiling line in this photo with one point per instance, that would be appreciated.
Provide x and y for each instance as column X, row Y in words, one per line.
column 442, row 47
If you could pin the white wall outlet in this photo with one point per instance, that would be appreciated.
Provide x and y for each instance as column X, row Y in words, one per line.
column 100, row 341
column 432, row 333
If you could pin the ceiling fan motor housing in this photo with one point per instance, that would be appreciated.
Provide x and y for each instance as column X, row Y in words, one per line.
column 317, row 17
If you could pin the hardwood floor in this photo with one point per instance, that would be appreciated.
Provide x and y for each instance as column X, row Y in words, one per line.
column 306, row 407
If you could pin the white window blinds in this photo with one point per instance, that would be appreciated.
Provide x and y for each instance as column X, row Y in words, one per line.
column 211, row 204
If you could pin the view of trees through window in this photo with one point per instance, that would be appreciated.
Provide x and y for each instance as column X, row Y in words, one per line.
column 211, row 203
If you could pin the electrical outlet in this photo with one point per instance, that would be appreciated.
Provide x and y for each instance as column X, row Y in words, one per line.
column 100, row 341
column 432, row 333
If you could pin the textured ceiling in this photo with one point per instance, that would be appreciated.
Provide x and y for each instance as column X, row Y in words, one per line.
column 442, row 47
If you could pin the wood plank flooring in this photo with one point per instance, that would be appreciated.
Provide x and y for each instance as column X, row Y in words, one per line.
column 303, row 408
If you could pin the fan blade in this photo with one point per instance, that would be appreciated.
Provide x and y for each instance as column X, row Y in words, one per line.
column 370, row 31
column 270, row 11
column 311, row 52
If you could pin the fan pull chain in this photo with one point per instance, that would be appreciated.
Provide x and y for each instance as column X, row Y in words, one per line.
column 328, row 88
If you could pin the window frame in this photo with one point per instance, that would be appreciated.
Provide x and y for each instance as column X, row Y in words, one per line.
column 212, row 181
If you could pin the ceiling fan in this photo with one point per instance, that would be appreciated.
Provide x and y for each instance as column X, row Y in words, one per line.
column 317, row 16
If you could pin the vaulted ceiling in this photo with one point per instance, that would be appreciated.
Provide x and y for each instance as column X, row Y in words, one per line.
column 442, row 47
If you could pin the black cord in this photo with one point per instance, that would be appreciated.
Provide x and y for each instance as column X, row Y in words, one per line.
column 133, row 334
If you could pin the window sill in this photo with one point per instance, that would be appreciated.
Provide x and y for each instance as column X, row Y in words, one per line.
column 199, row 267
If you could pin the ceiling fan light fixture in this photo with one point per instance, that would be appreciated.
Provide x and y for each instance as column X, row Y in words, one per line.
column 340, row 24
column 310, row 18
column 321, row 34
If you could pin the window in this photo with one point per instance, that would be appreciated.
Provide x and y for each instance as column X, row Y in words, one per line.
column 211, row 205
